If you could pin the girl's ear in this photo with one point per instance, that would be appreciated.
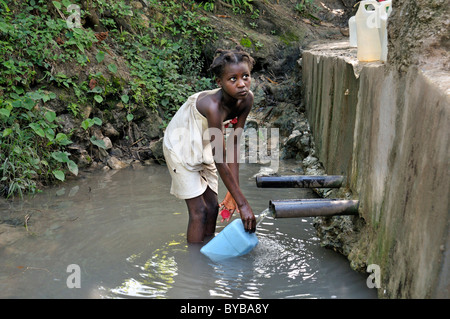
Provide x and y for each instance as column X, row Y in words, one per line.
column 218, row 82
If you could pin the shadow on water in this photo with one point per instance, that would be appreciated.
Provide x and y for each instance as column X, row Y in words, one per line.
column 127, row 234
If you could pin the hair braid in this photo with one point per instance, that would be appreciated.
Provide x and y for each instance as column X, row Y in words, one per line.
column 224, row 57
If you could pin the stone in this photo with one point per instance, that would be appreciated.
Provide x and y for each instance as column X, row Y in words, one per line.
column 114, row 163
column 136, row 5
column 117, row 152
column 157, row 150
column 108, row 143
column 110, row 131
column 151, row 126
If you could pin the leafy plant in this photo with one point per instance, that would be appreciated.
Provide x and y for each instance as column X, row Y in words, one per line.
column 165, row 65
column 237, row 6
column 74, row 108
column 87, row 124
column 4, row 5
column 240, row 6
column 118, row 8
column 306, row 7
column 208, row 6
column 63, row 157
column 29, row 142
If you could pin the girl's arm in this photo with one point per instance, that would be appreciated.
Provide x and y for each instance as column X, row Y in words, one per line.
column 230, row 172
column 233, row 147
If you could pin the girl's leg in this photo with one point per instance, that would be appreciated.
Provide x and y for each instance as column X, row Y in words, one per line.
column 212, row 211
column 203, row 212
column 197, row 218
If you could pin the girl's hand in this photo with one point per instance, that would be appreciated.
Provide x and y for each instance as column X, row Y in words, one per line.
column 248, row 218
column 228, row 206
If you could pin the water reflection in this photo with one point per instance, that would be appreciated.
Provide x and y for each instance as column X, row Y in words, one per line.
column 281, row 266
column 156, row 275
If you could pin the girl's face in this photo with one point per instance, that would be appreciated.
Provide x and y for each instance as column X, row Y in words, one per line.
column 236, row 80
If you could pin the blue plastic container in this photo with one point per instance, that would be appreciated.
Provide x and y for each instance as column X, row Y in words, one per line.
column 232, row 241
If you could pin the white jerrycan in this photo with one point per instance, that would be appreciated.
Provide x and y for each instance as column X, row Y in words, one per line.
column 385, row 10
column 352, row 30
column 368, row 27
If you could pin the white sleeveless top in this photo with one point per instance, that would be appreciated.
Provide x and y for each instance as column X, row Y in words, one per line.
column 187, row 136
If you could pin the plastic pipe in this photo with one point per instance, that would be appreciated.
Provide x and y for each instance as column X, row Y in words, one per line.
column 300, row 181
column 293, row 208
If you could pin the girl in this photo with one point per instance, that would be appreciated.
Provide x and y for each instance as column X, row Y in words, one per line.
column 194, row 146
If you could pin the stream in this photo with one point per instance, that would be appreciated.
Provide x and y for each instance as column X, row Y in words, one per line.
column 124, row 236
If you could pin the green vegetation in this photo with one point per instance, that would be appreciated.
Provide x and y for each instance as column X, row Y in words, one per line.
column 306, row 8
column 246, row 42
column 161, row 67
column 238, row 6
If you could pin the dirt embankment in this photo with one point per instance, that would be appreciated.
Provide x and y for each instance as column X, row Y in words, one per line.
column 419, row 34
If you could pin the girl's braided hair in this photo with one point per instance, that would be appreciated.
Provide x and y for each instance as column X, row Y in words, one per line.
column 223, row 57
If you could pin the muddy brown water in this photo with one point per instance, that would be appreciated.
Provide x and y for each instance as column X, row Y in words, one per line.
column 126, row 234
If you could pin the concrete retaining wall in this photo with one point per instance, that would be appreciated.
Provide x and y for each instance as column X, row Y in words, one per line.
column 388, row 133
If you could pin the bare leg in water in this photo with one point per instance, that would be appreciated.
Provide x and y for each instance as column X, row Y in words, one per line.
column 203, row 212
